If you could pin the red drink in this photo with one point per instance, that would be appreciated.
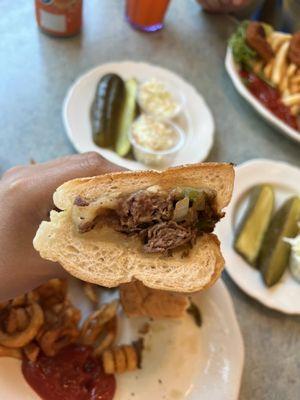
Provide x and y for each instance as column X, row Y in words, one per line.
column 146, row 15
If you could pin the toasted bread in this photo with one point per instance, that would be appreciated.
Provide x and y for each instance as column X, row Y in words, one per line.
column 110, row 258
column 139, row 301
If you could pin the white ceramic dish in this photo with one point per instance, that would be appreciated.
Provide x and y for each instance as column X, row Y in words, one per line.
column 247, row 95
column 195, row 119
column 284, row 296
column 183, row 361
column 159, row 158
column 177, row 96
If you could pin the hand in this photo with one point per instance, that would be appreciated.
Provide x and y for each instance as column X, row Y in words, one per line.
column 223, row 6
column 26, row 199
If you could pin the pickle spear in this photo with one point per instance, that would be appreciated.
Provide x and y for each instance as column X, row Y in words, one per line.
column 128, row 114
column 107, row 109
column 98, row 110
column 274, row 255
column 255, row 222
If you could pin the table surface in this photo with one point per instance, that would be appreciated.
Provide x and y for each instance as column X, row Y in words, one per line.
column 35, row 73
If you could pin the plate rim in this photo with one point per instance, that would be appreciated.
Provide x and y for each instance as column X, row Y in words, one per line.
column 221, row 285
column 134, row 164
column 269, row 303
column 248, row 96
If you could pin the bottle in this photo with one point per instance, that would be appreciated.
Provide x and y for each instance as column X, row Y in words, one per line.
column 59, row 17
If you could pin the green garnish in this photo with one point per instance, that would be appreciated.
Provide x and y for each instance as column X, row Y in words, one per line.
column 242, row 53
column 191, row 193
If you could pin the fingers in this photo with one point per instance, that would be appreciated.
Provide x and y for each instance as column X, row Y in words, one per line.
column 79, row 166
column 26, row 198
column 13, row 172
column 69, row 167
column 53, row 174
column 49, row 176
column 37, row 183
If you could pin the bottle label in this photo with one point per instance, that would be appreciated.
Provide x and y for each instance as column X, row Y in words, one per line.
column 53, row 22
column 59, row 16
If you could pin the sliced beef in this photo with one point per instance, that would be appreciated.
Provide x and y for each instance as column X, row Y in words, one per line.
column 81, row 202
column 165, row 236
column 151, row 215
column 207, row 218
column 86, row 226
column 142, row 209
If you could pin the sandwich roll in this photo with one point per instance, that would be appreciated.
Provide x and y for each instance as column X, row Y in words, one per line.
column 139, row 301
column 155, row 227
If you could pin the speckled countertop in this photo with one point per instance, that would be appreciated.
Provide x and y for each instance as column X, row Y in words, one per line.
column 35, row 73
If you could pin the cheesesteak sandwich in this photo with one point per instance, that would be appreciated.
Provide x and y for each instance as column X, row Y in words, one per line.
column 155, row 227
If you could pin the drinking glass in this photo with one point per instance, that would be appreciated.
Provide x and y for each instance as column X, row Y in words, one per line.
column 146, row 15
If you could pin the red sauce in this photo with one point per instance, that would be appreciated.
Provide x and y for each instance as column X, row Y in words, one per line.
column 269, row 97
column 73, row 374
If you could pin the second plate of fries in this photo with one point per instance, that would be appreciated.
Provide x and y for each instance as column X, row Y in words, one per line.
column 280, row 74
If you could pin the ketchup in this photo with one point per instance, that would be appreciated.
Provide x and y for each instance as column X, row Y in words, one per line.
column 73, row 374
column 269, row 97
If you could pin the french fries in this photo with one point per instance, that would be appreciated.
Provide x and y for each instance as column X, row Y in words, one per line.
column 295, row 80
column 292, row 100
column 12, row 353
column 282, row 73
column 107, row 341
column 21, row 339
column 291, row 70
column 294, row 88
column 120, row 359
column 280, row 63
column 108, row 337
column 268, row 69
column 283, row 85
column 276, row 39
column 44, row 320
column 90, row 291
column 257, row 67
column 295, row 110
column 97, row 323
column 31, row 351
column 55, row 339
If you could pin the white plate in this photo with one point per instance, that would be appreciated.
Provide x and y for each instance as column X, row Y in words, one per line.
column 285, row 295
column 181, row 360
column 196, row 118
column 232, row 70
